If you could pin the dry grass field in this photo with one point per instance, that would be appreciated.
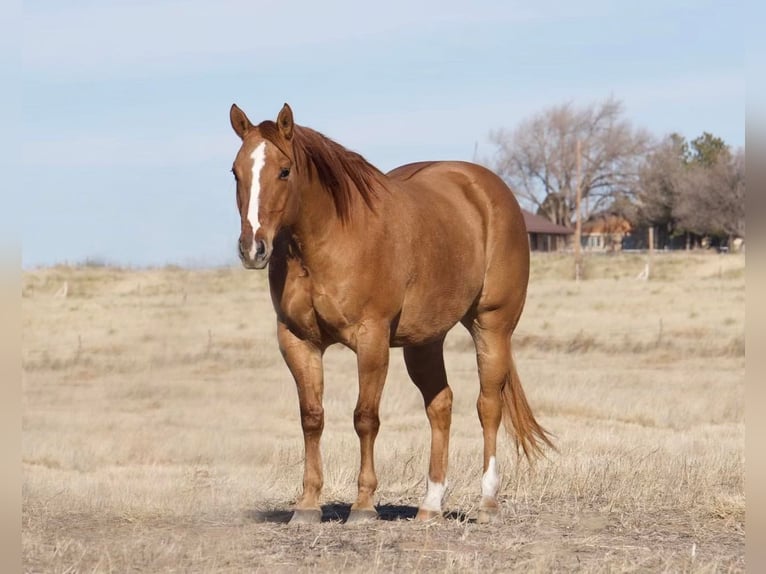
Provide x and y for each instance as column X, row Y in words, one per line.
column 161, row 429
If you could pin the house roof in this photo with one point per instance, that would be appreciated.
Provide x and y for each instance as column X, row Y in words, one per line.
column 539, row 224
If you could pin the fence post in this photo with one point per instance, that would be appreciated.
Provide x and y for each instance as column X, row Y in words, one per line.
column 578, row 221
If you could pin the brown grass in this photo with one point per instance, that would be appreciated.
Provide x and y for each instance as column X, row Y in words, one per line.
column 160, row 430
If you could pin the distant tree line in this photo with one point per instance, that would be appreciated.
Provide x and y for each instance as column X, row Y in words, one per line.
column 685, row 188
column 694, row 188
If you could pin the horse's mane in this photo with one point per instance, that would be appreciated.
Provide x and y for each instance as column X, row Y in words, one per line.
column 344, row 174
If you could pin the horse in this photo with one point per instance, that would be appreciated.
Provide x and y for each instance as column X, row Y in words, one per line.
column 373, row 261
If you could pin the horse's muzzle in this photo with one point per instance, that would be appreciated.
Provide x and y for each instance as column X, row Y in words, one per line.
column 255, row 259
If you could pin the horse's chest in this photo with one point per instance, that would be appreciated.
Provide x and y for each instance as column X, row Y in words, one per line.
column 307, row 308
column 291, row 296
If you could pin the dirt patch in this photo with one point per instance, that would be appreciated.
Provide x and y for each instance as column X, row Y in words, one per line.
column 584, row 540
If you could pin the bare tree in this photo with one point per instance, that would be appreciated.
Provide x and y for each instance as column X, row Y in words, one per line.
column 538, row 158
column 660, row 180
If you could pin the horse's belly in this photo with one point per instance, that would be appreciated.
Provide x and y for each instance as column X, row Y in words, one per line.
column 418, row 330
column 429, row 311
column 445, row 284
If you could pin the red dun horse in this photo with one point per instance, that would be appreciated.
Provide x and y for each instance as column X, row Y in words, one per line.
column 372, row 261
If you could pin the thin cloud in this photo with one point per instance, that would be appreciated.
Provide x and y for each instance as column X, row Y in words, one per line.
column 726, row 85
column 109, row 151
column 116, row 37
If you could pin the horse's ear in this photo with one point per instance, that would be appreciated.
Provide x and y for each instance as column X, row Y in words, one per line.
column 285, row 122
column 239, row 121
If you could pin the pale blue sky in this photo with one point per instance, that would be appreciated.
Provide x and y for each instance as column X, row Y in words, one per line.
column 126, row 142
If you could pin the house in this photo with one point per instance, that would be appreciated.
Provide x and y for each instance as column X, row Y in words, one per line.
column 544, row 235
column 604, row 232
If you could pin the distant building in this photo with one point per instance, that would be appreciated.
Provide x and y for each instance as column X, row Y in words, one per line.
column 544, row 235
column 605, row 232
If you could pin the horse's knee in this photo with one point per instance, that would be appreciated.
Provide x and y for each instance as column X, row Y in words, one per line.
column 312, row 419
column 366, row 422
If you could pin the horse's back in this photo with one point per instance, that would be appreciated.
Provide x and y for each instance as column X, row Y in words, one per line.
column 468, row 187
column 476, row 182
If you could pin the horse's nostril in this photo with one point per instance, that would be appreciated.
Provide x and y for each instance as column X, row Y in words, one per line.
column 260, row 248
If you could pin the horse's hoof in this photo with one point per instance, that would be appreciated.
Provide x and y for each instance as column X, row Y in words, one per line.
column 424, row 515
column 306, row 516
column 361, row 515
column 488, row 515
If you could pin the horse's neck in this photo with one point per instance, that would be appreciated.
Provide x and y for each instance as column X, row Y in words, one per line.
column 319, row 229
column 315, row 227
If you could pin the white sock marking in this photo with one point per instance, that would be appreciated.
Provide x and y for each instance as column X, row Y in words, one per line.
column 490, row 481
column 259, row 159
column 435, row 493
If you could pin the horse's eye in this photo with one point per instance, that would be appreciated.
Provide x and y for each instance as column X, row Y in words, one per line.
column 284, row 173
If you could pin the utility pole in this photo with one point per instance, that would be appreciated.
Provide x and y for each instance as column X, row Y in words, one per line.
column 578, row 222
column 651, row 251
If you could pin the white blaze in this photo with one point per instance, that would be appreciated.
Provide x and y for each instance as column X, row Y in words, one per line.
column 490, row 481
column 435, row 493
column 259, row 159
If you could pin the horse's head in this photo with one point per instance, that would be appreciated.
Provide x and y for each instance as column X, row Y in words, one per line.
column 266, row 198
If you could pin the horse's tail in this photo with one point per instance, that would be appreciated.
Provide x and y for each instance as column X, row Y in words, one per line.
column 519, row 420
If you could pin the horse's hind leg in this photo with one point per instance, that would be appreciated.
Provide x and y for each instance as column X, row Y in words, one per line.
column 425, row 365
column 491, row 332
column 500, row 395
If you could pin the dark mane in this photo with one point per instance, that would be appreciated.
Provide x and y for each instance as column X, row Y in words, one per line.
column 344, row 174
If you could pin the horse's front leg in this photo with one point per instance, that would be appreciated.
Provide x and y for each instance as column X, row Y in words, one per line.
column 304, row 359
column 372, row 359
